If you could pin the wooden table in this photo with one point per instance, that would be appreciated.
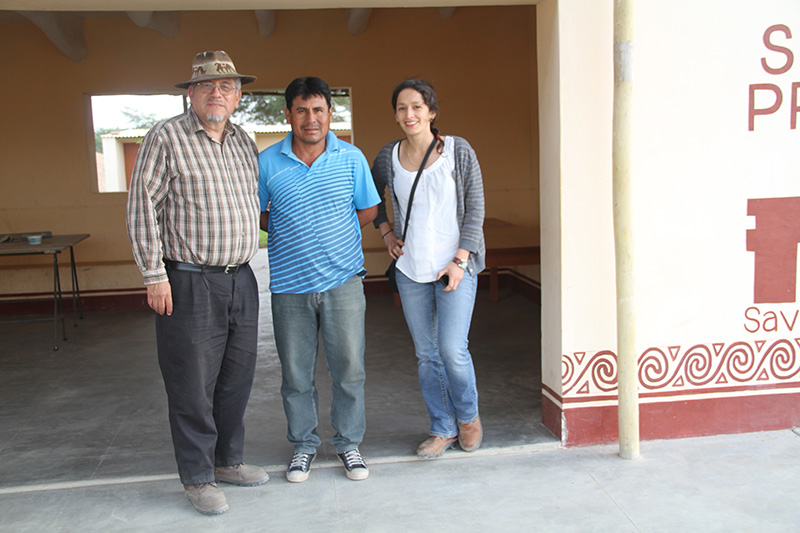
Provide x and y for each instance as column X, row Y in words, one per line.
column 53, row 245
column 508, row 245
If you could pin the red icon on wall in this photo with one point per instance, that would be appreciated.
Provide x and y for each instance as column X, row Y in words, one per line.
column 774, row 241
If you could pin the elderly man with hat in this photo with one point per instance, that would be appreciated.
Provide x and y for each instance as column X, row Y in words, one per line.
column 193, row 215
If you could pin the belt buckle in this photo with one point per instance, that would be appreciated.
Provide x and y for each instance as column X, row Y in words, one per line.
column 231, row 269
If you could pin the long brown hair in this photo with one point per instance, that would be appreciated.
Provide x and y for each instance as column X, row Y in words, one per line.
column 424, row 88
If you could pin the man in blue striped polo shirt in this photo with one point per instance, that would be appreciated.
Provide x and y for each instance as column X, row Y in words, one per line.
column 316, row 193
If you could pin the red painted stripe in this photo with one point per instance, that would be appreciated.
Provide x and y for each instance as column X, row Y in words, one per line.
column 687, row 418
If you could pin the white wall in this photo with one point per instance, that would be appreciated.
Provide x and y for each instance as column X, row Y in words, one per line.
column 549, row 195
column 114, row 160
column 575, row 45
column 700, row 333
column 714, row 352
column 697, row 164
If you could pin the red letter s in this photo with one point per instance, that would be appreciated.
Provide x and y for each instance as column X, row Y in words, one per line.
column 776, row 48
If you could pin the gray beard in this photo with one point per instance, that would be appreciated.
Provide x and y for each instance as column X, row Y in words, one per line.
column 214, row 118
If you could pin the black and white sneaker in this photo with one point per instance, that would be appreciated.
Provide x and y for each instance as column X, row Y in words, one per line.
column 354, row 465
column 299, row 467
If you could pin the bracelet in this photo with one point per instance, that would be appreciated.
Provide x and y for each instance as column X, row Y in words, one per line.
column 387, row 233
column 462, row 263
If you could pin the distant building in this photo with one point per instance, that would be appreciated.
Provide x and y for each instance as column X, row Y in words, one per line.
column 115, row 164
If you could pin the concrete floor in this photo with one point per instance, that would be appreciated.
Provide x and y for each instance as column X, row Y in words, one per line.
column 85, row 446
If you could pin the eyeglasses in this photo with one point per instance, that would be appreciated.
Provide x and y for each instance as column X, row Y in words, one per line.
column 207, row 87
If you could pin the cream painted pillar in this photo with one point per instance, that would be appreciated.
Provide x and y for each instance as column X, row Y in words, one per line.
column 627, row 376
column 574, row 47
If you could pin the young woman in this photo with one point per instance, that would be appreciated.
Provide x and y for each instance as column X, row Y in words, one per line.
column 439, row 261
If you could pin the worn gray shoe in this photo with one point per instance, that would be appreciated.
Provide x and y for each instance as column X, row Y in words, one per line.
column 207, row 498
column 242, row 475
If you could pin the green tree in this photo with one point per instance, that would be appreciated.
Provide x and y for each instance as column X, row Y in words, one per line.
column 341, row 108
column 139, row 120
column 136, row 120
column 267, row 108
column 264, row 109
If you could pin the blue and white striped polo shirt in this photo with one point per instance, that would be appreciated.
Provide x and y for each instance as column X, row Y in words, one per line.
column 314, row 238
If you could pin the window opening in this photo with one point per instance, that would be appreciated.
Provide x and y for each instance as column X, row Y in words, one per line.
column 120, row 122
column 261, row 113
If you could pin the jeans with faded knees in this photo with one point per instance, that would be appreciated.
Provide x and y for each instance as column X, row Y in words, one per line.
column 338, row 314
column 439, row 324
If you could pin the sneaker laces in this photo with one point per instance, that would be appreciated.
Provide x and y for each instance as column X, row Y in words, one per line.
column 299, row 460
column 352, row 459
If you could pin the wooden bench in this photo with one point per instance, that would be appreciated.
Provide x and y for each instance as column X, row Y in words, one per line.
column 508, row 245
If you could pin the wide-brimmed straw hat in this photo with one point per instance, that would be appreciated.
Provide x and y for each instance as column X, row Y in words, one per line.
column 213, row 66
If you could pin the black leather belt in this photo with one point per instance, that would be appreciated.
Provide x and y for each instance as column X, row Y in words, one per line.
column 204, row 269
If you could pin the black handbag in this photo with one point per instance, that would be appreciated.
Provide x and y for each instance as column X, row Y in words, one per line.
column 391, row 272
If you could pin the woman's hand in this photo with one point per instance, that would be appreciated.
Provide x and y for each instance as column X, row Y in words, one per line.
column 393, row 245
column 454, row 272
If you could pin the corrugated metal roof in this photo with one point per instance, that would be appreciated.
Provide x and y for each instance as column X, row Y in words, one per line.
column 249, row 128
column 126, row 134
column 285, row 128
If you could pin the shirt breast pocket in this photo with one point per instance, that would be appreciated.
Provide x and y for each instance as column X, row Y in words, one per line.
column 244, row 173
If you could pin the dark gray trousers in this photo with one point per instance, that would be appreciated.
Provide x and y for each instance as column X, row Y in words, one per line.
column 207, row 354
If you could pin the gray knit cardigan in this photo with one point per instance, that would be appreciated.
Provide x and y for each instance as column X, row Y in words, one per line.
column 469, row 194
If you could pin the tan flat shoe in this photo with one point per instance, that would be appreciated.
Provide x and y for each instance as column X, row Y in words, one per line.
column 470, row 435
column 434, row 447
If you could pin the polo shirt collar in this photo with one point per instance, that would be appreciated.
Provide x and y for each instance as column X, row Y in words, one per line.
column 331, row 143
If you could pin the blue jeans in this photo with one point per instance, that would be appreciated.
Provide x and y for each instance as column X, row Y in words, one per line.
column 439, row 324
column 298, row 319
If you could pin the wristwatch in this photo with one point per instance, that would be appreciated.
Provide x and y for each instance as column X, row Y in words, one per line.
column 461, row 263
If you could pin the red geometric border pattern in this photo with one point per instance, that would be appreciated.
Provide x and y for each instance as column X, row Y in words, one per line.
column 699, row 367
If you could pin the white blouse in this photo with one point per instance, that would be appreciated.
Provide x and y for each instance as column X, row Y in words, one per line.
column 433, row 233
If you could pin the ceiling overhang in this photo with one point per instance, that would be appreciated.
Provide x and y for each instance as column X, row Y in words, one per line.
column 62, row 20
column 235, row 5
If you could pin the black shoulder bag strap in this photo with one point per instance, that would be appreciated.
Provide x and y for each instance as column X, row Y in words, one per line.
column 416, row 181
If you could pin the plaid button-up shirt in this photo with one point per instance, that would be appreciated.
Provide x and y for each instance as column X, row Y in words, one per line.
column 193, row 199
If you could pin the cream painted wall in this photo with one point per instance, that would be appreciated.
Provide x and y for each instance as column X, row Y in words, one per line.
column 547, row 47
column 698, row 164
column 47, row 171
column 705, row 365
column 587, row 249
column 575, row 44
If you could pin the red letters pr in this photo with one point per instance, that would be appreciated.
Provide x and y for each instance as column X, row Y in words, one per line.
column 751, row 116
